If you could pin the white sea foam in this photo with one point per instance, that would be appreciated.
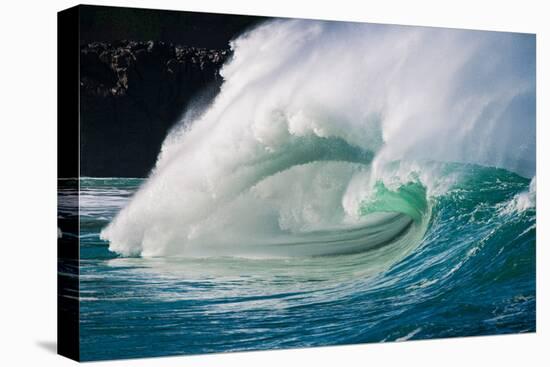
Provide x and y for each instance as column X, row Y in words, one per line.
column 256, row 166
column 522, row 201
column 409, row 335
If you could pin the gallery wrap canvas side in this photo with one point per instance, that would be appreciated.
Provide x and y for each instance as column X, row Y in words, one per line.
column 68, row 291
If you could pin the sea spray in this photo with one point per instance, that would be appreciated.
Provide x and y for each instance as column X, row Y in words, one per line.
column 338, row 102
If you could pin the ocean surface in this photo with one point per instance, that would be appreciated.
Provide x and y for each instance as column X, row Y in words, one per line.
column 464, row 266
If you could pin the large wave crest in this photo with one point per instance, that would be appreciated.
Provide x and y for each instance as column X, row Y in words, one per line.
column 323, row 138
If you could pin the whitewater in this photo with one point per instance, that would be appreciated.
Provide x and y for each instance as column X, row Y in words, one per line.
column 311, row 118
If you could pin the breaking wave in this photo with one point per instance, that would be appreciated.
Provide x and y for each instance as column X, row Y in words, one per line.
column 338, row 138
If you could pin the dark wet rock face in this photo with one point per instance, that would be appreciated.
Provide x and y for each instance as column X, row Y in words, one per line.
column 131, row 95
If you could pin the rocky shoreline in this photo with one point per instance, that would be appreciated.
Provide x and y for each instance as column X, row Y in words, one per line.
column 112, row 68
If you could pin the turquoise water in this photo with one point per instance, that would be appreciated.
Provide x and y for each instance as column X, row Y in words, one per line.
column 457, row 263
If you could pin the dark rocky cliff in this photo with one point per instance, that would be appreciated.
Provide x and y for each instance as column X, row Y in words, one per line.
column 131, row 95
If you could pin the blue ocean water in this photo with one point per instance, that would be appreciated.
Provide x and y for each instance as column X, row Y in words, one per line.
column 463, row 266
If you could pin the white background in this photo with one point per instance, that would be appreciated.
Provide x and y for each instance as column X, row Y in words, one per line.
column 28, row 182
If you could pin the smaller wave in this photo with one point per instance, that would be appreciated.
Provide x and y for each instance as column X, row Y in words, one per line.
column 523, row 201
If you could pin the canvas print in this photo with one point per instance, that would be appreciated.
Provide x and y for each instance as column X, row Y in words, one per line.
column 234, row 183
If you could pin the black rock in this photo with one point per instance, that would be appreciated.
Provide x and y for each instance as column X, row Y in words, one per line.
column 132, row 93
